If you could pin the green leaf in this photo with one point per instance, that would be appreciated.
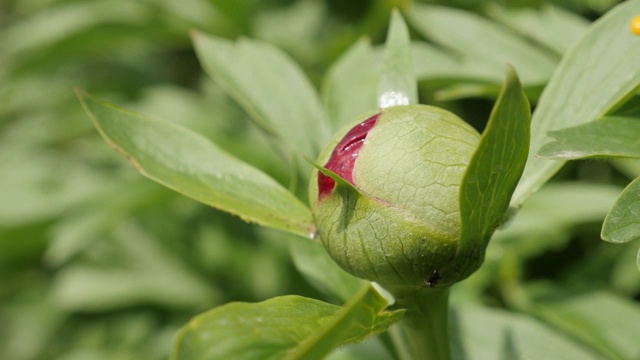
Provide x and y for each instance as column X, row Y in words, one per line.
column 431, row 62
column 551, row 216
column 33, row 189
column 600, row 320
column 482, row 333
column 623, row 277
column 147, row 273
column 466, row 90
column 606, row 137
column 454, row 77
column 397, row 79
column 270, row 87
column 188, row 163
column 484, row 46
column 622, row 224
column 85, row 225
column 351, row 85
column 288, row 327
column 549, row 25
column 597, row 75
column 294, row 28
column 30, row 320
column 494, row 170
column 629, row 167
column 59, row 23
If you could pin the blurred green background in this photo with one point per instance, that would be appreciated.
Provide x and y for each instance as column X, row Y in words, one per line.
column 97, row 262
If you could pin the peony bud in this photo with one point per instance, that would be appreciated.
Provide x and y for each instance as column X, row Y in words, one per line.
column 387, row 209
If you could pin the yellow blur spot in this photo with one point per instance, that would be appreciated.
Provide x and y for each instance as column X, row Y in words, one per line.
column 635, row 25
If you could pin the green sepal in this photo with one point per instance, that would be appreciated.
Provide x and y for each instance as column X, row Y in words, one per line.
column 493, row 174
column 341, row 183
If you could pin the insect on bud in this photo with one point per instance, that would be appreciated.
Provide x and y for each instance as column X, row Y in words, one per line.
column 386, row 204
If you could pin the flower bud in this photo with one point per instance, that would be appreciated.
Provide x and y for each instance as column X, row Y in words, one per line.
column 387, row 209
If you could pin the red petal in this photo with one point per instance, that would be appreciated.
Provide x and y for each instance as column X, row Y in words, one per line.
column 344, row 156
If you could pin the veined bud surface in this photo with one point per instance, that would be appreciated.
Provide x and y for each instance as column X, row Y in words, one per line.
column 399, row 223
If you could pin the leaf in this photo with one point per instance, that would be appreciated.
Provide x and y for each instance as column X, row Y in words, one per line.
column 270, row 87
column 629, row 167
column 602, row 321
column 623, row 277
column 30, row 320
column 551, row 26
column 495, row 169
column 484, row 333
column 147, row 273
column 552, row 215
column 466, row 90
column 85, row 225
column 188, row 163
column 431, row 62
column 454, row 77
column 483, row 46
column 397, row 79
column 351, row 85
column 288, row 327
column 371, row 349
column 622, row 224
column 597, row 75
column 294, row 28
column 606, row 137
column 60, row 22
column 34, row 190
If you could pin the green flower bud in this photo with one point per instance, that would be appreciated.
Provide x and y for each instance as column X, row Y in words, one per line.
column 398, row 222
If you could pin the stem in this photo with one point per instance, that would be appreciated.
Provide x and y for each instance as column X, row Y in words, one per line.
column 424, row 331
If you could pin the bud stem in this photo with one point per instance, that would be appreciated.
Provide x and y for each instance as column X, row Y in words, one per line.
column 424, row 330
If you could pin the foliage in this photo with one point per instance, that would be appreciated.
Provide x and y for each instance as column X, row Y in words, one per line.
column 97, row 262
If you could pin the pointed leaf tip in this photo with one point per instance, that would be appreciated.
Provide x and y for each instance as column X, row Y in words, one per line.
column 398, row 84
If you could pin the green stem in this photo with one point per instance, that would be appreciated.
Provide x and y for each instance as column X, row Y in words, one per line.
column 424, row 333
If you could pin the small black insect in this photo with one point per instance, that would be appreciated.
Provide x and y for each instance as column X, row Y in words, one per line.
column 433, row 279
